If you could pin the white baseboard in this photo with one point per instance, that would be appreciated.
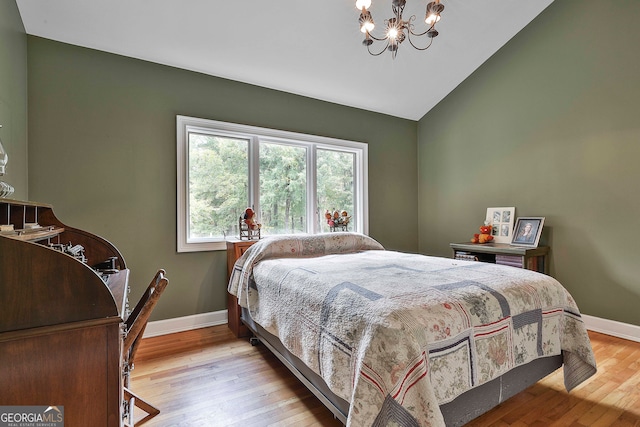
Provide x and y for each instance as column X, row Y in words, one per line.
column 186, row 323
column 612, row 327
column 196, row 321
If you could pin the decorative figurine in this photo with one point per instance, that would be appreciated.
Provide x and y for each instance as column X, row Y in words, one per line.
column 337, row 221
column 485, row 234
column 249, row 227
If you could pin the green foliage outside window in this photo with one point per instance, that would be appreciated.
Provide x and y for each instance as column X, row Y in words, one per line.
column 335, row 184
column 218, row 184
column 218, row 180
column 283, row 188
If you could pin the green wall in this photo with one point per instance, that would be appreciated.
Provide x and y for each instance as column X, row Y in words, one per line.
column 13, row 96
column 102, row 150
column 550, row 125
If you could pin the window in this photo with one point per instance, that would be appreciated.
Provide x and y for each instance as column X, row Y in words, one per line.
column 289, row 179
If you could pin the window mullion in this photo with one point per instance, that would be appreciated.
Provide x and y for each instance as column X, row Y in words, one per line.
column 362, row 190
column 312, row 193
column 254, row 174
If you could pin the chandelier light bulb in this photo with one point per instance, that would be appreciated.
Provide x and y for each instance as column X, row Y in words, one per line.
column 432, row 19
column 366, row 22
column 434, row 9
column 363, row 4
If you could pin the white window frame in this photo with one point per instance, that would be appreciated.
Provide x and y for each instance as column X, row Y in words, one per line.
column 185, row 125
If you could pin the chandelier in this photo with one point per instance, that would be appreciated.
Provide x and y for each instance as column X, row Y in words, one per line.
column 397, row 29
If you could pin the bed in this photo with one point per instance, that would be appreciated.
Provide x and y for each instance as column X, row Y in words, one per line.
column 391, row 338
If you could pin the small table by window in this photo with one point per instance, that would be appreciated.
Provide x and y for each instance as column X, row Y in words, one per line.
column 235, row 249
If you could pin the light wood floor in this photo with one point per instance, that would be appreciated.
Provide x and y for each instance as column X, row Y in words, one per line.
column 207, row 377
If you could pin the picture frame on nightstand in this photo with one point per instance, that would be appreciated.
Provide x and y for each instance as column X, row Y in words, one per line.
column 527, row 231
column 501, row 220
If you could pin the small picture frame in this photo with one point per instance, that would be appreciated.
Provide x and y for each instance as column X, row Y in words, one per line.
column 501, row 220
column 527, row 231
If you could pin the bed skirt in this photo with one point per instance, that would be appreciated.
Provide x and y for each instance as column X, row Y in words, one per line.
column 458, row 412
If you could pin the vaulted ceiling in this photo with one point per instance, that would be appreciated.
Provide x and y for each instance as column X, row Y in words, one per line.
column 302, row 47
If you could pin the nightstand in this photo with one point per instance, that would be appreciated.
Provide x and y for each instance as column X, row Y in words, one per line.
column 502, row 253
column 235, row 249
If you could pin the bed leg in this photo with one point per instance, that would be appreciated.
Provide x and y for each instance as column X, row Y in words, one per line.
column 254, row 341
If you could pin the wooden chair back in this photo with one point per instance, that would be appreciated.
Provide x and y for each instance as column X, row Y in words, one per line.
column 135, row 325
column 137, row 320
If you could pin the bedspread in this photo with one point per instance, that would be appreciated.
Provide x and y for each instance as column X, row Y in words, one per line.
column 397, row 334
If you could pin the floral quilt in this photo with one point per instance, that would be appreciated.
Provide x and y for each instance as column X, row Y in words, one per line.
column 398, row 334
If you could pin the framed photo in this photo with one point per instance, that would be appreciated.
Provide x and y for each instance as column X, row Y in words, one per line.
column 501, row 220
column 527, row 231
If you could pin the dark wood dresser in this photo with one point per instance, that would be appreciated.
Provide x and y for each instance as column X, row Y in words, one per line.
column 64, row 299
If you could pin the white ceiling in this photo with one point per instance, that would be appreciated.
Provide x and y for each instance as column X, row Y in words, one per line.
column 310, row 48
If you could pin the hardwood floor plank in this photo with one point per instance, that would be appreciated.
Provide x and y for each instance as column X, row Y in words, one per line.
column 207, row 377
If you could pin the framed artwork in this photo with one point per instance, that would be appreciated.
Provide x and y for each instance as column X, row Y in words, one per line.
column 527, row 231
column 501, row 220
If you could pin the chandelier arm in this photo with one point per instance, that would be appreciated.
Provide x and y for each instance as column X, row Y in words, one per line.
column 420, row 48
column 421, row 34
column 379, row 53
column 377, row 39
column 409, row 24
